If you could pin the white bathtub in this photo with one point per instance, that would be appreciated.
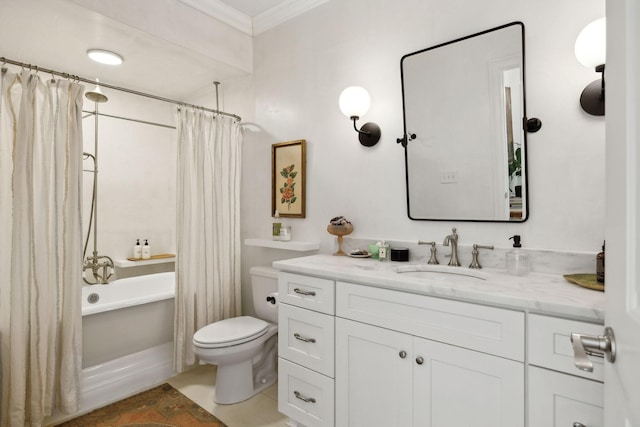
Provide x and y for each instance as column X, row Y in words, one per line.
column 127, row 337
column 128, row 292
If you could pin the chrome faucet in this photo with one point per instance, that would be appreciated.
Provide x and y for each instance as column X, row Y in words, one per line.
column 94, row 264
column 453, row 240
column 433, row 260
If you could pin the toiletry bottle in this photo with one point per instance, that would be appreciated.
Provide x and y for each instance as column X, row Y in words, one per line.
column 146, row 250
column 384, row 251
column 600, row 266
column 137, row 250
column 517, row 261
column 275, row 231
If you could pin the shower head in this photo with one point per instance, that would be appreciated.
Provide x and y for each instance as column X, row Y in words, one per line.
column 96, row 95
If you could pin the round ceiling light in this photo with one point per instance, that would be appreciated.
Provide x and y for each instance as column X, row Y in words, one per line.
column 105, row 57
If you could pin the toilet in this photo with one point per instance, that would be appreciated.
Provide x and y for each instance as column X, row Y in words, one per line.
column 244, row 348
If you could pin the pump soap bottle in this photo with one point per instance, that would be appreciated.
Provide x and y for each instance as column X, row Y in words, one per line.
column 146, row 250
column 137, row 250
column 517, row 261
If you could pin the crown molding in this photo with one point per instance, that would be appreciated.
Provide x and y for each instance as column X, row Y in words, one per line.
column 283, row 12
column 223, row 12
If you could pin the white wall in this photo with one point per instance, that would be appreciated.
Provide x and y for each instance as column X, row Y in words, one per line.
column 301, row 67
column 136, row 175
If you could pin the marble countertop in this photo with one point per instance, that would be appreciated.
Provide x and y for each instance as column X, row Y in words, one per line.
column 536, row 292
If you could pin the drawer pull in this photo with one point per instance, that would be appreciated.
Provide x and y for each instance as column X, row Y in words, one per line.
column 301, row 292
column 419, row 360
column 302, row 338
column 576, row 424
column 303, row 398
column 402, row 354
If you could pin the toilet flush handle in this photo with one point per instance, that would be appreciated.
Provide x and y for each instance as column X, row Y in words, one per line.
column 271, row 299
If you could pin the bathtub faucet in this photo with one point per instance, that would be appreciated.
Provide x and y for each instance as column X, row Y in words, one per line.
column 96, row 263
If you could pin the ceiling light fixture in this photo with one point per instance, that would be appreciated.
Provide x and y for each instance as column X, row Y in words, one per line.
column 105, row 57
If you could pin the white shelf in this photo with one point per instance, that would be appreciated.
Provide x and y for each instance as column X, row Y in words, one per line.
column 125, row 263
column 291, row 245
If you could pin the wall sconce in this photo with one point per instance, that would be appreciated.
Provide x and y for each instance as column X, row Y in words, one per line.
column 591, row 51
column 354, row 102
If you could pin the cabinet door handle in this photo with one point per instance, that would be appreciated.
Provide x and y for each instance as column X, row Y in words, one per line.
column 419, row 360
column 577, row 424
column 303, row 398
column 301, row 292
column 303, row 338
column 402, row 354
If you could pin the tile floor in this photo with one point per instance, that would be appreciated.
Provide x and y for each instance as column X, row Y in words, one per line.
column 198, row 384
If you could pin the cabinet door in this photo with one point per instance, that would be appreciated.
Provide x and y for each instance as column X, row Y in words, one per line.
column 456, row 387
column 560, row 400
column 373, row 379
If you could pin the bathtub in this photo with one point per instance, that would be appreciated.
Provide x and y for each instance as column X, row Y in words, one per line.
column 127, row 337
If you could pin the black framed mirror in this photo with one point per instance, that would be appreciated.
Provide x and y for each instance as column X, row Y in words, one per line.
column 465, row 128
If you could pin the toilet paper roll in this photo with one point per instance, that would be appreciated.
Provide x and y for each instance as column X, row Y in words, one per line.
column 273, row 298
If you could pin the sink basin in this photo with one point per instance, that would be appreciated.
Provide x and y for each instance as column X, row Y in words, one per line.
column 440, row 272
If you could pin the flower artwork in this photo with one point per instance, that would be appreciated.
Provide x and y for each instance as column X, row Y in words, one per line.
column 288, row 189
column 288, row 178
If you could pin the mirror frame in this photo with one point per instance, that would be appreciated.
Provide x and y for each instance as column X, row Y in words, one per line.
column 528, row 125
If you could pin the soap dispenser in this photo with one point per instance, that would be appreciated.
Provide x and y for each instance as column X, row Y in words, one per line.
column 146, row 250
column 137, row 250
column 517, row 260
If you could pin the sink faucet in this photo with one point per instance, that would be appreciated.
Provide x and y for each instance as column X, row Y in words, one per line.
column 453, row 240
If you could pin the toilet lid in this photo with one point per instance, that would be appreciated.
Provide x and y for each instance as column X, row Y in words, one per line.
column 228, row 332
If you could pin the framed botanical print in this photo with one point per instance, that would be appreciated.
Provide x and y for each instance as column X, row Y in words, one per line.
column 288, row 178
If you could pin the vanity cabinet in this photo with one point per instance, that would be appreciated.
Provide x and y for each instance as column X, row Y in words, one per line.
column 559, row 393
column 386, row 376
column 389, row 378
column 306, row 340
column 357, row 350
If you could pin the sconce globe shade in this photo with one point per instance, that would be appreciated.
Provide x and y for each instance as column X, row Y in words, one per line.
column 105, row 57
column 591, row 44
column 354, row 101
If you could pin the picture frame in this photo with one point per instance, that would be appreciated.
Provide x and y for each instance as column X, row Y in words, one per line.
column 288, row 176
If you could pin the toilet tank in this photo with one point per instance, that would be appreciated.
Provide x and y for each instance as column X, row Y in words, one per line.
column 264, row 282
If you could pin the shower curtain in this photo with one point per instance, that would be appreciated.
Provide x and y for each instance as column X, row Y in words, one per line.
column 40, row 246
column 208, row 226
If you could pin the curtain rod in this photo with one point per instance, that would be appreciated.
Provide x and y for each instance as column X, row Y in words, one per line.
column 121, row 89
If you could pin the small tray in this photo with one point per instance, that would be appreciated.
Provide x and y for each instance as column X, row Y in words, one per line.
column 585, row 280
column 359, row 254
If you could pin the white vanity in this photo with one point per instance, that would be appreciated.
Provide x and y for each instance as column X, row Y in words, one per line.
column 363, row 345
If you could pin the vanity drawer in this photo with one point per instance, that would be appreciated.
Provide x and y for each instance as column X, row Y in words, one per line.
column 549, row 345
column 487, row 329
column 304, row 395
column 307, row 338
column 313, row 293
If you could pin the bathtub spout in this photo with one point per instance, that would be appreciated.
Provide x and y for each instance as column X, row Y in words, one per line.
column 96, row 263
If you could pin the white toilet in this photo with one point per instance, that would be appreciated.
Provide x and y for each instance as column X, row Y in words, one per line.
column 244, row 348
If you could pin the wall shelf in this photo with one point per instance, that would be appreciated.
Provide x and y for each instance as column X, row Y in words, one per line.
column 155, row 259
column 291, row 245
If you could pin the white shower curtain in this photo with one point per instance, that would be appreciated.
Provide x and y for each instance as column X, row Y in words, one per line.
column 40, row 246
column 208, row 226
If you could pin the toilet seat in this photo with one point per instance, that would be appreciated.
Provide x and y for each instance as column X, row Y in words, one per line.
column 230, row 332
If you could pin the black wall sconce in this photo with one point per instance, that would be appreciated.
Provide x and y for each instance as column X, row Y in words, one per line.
column 591, row 51
column 354, row 102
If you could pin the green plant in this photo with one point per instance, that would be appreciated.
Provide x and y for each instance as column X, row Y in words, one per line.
column 515, row 165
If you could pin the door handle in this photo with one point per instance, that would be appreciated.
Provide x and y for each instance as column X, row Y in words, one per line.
column 593, row 345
